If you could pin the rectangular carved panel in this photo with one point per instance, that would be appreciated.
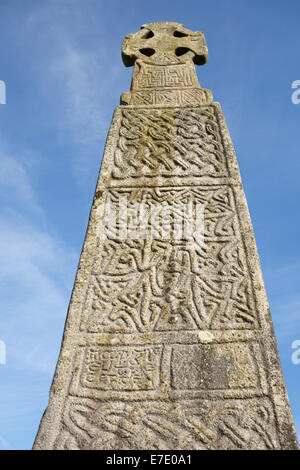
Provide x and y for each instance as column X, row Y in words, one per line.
column 212, row 367
column 169, row 142
column 164, row 283
column 119, row 368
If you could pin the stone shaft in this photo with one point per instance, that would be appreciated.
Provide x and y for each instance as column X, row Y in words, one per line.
column 168, row 342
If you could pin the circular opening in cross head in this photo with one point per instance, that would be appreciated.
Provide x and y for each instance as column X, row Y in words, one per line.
column 148, row 35
column 179, row 34
column 147, row 51
column 181, row 51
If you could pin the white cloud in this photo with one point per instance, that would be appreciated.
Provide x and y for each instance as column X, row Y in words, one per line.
column 76, row 75
column 76, row 83
column 4, row 444
column 284, row 296
column 14, row 176
column 15, row 184
column 287, row 321
column 36, row 272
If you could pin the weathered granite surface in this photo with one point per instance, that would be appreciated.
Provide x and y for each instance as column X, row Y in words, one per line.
column 169, row 342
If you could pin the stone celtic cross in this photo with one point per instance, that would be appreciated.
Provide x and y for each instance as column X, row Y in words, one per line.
column 163, row 55
column 164, row 44
column 168, row 342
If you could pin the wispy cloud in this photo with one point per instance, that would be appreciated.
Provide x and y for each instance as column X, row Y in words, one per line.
column 15, row 184
column 13, row 177
column 4, row 444
column 80, row 72
column 284, row 294
column 35, row 272
column 81, row 78
column 287, row 321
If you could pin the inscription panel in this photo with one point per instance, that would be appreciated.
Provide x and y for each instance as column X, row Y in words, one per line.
column 121, row 368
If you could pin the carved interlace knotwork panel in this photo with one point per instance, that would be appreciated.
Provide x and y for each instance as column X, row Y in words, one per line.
column 161, row 284
column 194, row 425
column 169, row 142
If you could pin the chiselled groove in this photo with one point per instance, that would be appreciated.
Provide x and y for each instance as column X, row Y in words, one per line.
column 169, row 142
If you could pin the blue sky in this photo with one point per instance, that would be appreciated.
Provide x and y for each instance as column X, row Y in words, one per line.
column 61, row 62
